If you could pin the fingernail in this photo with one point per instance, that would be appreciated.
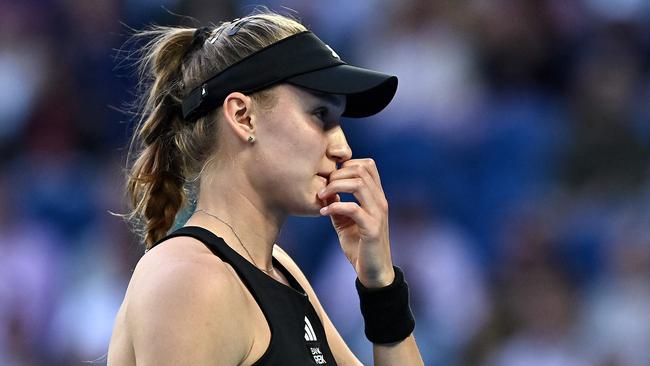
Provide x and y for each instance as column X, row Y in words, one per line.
column 321, row 192
column 323, row 210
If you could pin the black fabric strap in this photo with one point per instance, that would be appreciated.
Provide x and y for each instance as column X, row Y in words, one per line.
column 291, row 56
column 386, row 311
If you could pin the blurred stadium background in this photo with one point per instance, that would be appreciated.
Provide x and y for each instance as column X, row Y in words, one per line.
column 516, row 159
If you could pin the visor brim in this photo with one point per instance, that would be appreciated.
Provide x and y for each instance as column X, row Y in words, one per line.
column 367, row 91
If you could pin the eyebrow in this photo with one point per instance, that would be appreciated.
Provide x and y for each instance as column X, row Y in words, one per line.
column 333, row 99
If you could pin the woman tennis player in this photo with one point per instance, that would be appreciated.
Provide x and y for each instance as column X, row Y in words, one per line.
column 242, row 120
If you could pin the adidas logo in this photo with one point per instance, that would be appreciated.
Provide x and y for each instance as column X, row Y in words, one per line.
column 336, row 55
column 310, row 335
column 314, row 348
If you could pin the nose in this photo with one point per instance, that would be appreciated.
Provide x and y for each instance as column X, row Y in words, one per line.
column 338, row 148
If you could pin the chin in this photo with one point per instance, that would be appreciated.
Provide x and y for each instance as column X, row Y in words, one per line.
column 310, row 208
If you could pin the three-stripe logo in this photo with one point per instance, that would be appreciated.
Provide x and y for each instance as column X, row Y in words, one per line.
column 310, row 335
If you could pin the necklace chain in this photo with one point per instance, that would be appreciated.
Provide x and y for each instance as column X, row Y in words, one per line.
column 268, row 271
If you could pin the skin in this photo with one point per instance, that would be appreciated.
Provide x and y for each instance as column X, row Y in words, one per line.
column 254, row 188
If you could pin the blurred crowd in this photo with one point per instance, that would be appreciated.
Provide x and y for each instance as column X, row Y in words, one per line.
column 515, row 158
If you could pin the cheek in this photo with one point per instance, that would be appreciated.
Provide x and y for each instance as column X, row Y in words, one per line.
column 297, row 162
column 291, row 173
column 291, row 150
column 297, row 143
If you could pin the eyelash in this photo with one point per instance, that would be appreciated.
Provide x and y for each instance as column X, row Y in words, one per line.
column 321, row 113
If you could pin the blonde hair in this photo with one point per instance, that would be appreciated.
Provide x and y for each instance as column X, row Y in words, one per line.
column 168, row 153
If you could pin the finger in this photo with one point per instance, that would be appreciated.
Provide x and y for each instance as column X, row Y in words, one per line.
column 369, row 165
column 351, row 210
column 357, row 187
column 359, row 171
column 330, row 199
column 379, row 197
column 354, row 171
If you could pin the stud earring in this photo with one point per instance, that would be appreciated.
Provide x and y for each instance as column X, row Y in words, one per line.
column 251, row 139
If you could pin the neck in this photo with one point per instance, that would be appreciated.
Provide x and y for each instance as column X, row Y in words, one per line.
column 249, row 219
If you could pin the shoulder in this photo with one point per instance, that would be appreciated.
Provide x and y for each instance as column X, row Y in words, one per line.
column 185, row 306
column 183, row 264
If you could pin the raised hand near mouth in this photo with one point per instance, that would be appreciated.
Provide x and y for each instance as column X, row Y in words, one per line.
column 362, row 227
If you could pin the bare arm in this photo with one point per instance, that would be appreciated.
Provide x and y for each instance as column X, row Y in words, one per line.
column 405, row 352
column 183, row 313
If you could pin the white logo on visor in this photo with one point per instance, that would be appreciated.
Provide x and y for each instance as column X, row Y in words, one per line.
column 333, row 52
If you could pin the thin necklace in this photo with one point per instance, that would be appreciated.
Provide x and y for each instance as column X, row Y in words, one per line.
column 268, row 271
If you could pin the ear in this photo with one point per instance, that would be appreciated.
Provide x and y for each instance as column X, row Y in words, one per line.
column 237, row 109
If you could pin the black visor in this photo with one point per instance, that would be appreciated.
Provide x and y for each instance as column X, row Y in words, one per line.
column 302, row 60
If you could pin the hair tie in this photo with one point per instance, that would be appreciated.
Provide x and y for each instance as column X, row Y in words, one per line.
column 200, row 35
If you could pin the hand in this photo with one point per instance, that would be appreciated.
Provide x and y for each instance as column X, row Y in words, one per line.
column 362, row 227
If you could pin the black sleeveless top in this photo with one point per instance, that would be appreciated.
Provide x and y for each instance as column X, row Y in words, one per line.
column 297, row 334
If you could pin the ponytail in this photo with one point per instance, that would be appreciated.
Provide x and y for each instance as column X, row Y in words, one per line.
column 156, row 180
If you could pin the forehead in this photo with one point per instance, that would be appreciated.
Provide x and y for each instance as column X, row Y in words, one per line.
column 336, row 100
column 310, row 96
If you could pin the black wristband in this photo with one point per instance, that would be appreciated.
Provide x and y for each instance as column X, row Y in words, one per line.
column 386, row 311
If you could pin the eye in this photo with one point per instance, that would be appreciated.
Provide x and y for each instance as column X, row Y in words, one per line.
column 321, row 113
